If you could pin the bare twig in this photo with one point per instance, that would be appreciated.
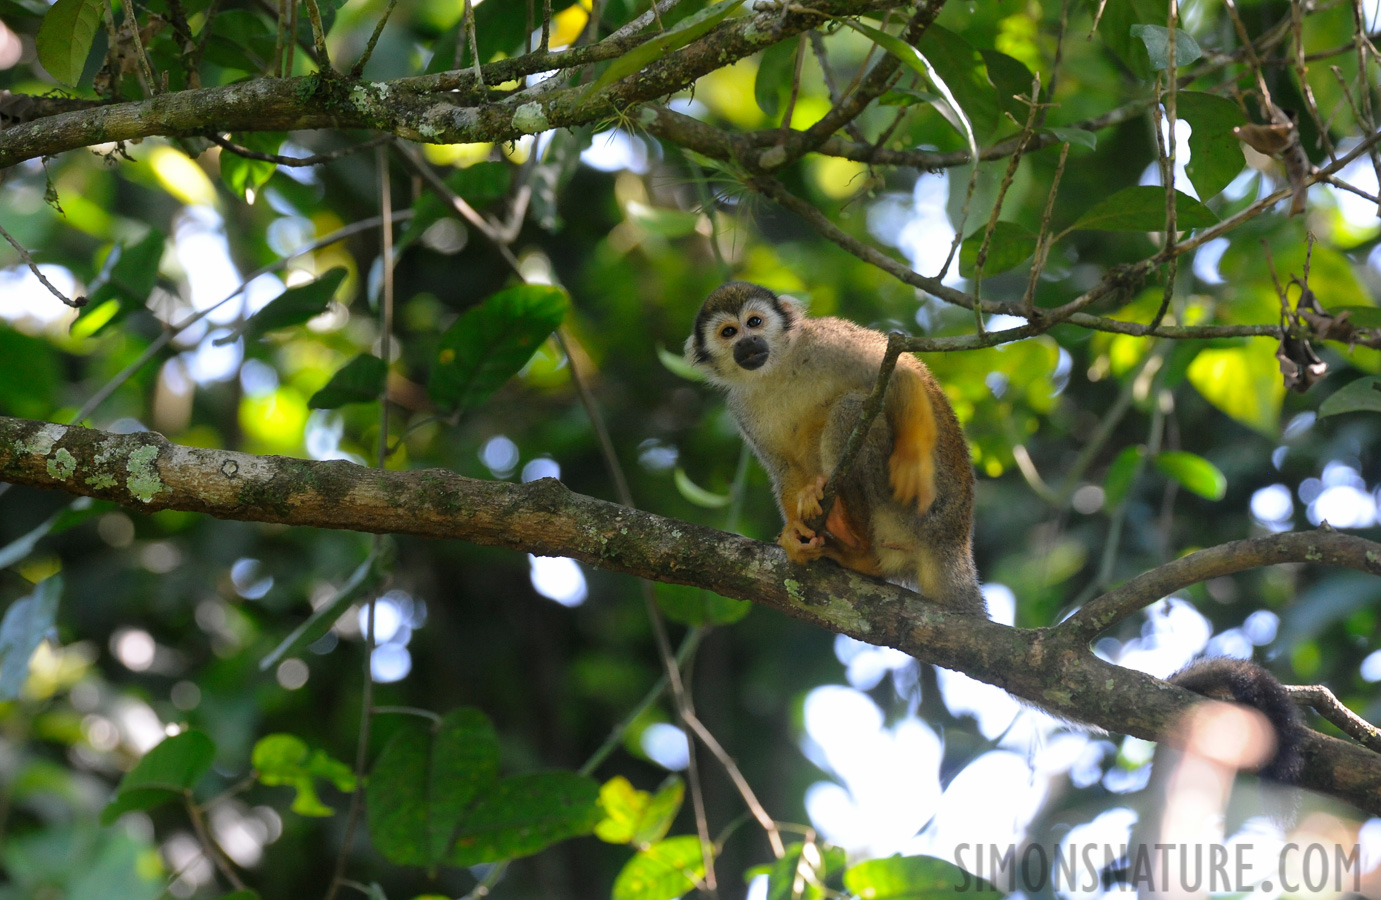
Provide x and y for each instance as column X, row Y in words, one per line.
column 209, row 845
column 358, row 69
column 76, row 303
column 1326, row 704
column 297, row 161
column 1043, row 240
column 323, row 57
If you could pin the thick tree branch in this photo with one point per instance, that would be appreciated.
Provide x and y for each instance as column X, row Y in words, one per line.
column 401, row 108
column 1049, row 667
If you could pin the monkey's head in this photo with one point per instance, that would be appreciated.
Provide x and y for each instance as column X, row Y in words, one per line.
column 741, row 332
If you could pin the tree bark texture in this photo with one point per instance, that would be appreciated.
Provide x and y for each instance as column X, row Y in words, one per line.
column 1050, row 667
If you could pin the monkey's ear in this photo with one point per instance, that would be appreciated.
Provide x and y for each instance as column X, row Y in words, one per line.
column 794, row 308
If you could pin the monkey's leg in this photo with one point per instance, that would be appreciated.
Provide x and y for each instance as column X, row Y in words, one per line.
column 912, row 466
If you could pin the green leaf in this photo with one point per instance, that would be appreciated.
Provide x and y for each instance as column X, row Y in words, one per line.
column 820, row 862
column 424, row 781
column 1243, row 382
column 555, row 172
column 776, row 71
column 1010, row 246
column 1076, row 136
column 246, row 894
column 488, row 344
column 676, row 364
column 961, row 69
column 64, row 39
column 695, row 606
column 131, row 273
column 29, row 374
column 1142, row 208
column 27, row 622
column 167, row 772
column 1120, row 476
column 523, row 814
column 1215, row 154
column 1194, row 472
column 663, row 871
column 1362, row 395
column 359, row 381
column 1157, row 41
column 245, row 176
column 912, row 878
column 292, row 307
column 636, row 817
column 674, row 38
column 285, row 759
column 698, row 495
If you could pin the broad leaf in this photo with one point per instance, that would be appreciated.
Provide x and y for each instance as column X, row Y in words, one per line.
column 1118, row 479
column 1156, row 38
column 245, row 176
column 1194, row 472
column 294, row 306
column 1362, row 395
column 636, row 817
column 1243, row 382
column 785, row 879
column 776, row 71
column 663, row 871
column 1010, row 246
column 697, row 606
column 26, row 623
column 424, row 782
column 488, row 344
column 961, row 68
column 359, row 381
column 1142, row 208
column 129, row 279
column 167, row 772
column 64, row 39
column 676, row 364
column 523, row 814
column 1215, row 154
column 285, row 759
column 912, row 878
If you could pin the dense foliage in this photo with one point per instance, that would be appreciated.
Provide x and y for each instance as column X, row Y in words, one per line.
column 196, row 705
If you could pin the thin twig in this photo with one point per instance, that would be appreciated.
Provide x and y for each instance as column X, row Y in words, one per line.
column 297, row 162
column 323, row 57
column 1325, row 703
column 76, row 303
column 358, row 69
column 1043, row 240
column 209, row 845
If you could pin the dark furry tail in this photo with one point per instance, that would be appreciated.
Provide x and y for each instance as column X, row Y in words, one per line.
column 1243, row 681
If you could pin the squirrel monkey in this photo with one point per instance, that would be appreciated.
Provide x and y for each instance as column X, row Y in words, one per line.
column 797, row 386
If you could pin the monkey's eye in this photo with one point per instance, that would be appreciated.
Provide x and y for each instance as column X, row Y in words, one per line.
column 754, row 321
column 728, row 331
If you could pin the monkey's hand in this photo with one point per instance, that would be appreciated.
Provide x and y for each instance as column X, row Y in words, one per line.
column 801, row 543
column 808, row 498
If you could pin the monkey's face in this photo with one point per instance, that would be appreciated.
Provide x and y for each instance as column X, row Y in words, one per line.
column 740, row 334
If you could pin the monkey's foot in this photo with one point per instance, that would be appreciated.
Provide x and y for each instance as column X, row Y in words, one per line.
column 808, row 498
column 912, row 477
column 800, row 543
column 837, row 524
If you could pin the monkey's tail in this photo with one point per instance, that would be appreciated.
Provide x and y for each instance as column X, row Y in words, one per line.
column 1243, row 681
